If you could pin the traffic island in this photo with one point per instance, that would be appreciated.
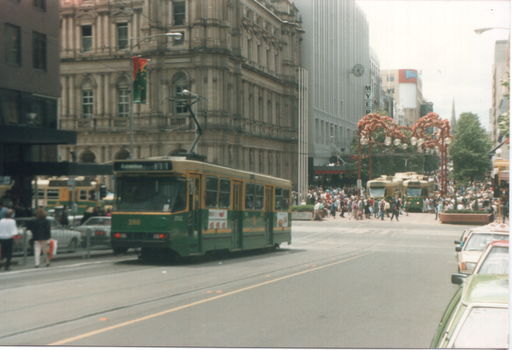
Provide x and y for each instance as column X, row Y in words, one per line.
column 466, row 218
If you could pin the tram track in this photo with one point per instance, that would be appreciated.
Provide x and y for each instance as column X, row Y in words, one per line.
column 301, row 265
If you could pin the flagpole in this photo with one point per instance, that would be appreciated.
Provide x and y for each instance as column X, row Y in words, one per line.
column 177, row 36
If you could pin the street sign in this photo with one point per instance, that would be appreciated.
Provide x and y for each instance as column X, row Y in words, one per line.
column 71, row 184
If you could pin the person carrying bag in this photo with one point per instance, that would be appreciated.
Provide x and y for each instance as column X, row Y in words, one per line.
column 41, row 233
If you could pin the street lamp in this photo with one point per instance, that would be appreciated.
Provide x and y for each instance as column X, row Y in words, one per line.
column 177, row 36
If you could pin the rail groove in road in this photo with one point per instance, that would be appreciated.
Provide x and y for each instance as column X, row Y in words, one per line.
column 141, row 319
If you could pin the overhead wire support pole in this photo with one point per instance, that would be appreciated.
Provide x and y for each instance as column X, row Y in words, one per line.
column 199, row 130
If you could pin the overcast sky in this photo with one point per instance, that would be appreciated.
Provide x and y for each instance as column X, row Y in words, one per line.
column 437, row 38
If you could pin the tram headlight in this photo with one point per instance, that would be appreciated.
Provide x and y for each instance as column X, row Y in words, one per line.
column 160, row 236
column 119, row 235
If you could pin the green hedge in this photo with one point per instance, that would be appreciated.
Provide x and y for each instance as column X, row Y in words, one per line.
column 303, row 207
column 465, row 211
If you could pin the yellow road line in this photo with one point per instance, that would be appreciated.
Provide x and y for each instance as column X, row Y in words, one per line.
column 137, row 320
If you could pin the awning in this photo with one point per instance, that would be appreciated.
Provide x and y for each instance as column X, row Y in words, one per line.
column 504, row 176
column 337, row 169
column 56, row 169
column 14, row 134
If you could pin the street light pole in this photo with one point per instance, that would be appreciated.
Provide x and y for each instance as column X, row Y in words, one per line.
column 177, row 36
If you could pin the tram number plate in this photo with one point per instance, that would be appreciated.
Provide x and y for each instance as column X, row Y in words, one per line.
column 132, row 222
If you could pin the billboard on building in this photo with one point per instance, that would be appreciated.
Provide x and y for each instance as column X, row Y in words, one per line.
column 407, row 76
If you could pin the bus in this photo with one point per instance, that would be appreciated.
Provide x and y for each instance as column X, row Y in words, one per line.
column 387, row 187
column 415, row 190
column 173, row 207
column 54, row 192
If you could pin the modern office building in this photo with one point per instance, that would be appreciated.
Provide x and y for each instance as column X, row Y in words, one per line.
column 336, row 54
column 406, row 87
column 29, row 92
column 241, row 57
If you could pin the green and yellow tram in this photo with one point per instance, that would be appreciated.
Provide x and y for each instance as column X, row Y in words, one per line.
column 415, row 190
column 176, row 207
column 387, row 187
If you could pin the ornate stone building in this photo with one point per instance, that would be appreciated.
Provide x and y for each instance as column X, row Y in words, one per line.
column 241, row 56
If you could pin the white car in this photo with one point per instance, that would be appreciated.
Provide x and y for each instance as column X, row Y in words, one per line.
column 67, row 240
column 474, row 245
column 98, row 229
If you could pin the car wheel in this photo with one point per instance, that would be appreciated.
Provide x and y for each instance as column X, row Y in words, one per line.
column 120, row 250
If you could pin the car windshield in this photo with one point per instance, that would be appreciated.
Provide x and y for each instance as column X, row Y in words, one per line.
column 496, row 261
column 478, row 241
column 150, row 193
column 94, row 221
column 377, row 191
column 484, row 328
column 413, row 192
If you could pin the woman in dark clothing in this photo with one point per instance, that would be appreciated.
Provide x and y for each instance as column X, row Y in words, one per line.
column 41, row 233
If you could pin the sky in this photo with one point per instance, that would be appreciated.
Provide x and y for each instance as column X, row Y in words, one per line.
column 438, row 38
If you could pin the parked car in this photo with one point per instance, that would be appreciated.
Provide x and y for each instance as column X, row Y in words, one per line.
column 494, row 260
column 98, row 227
column 474, row 245
column 477, row 315
column 67, row 239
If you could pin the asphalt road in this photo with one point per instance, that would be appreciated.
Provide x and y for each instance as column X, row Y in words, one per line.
column 341, row 283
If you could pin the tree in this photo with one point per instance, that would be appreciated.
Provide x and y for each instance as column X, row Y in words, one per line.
column 470, row 149
column 504, row 119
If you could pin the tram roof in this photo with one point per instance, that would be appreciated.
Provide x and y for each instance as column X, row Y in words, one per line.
column 181, row 165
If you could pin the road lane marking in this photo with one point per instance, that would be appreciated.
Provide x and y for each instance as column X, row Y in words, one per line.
column 137, row 320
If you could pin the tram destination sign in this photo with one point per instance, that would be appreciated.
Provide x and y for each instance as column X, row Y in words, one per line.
column 143, row 166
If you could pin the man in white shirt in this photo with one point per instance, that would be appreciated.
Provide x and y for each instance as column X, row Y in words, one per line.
column 7, row 231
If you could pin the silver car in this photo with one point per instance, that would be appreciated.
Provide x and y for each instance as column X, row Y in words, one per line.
column 97, row 228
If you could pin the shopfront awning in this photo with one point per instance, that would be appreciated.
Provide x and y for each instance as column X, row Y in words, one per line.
column 56, row 169
column 504, row 176
column 337, row 169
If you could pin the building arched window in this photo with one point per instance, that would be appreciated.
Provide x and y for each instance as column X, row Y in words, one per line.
column 123, row 98
column 87, row 99
column 180, row 83
column 88, row 157
column 251, row 107
column 122, row 154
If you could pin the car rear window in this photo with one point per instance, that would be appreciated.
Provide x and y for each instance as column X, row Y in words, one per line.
column 497, row 261
column 478, row 241
column 485, row 327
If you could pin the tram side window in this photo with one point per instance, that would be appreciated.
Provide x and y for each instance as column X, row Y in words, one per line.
column 53, row 194
column 224, row 193
column 249, row 196
column 41, row 194
column 212, row 189
column 279, row 198
column 286, row 199
column 258, row 205
column 83, row 195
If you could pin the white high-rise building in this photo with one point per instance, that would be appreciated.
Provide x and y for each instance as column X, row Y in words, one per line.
column 336, row 55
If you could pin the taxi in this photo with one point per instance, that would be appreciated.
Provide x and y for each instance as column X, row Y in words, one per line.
column 471, row 249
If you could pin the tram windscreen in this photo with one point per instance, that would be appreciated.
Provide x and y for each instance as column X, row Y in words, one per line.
column 377, row 191
column 150, row 194
column 413, row 192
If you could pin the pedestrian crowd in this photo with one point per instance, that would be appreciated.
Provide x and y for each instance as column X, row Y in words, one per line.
column 338, row 202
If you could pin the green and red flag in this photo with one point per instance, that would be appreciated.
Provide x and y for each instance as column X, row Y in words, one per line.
column 139, row 79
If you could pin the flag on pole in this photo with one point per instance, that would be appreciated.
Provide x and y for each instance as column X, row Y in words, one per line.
column 139, row 79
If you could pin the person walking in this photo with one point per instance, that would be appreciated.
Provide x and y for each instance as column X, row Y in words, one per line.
column 8, row 230
column 64, row 217
column 395, row 210
column 381, row 209
column 41, row 233
column 407, row 204
column 387, row 207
